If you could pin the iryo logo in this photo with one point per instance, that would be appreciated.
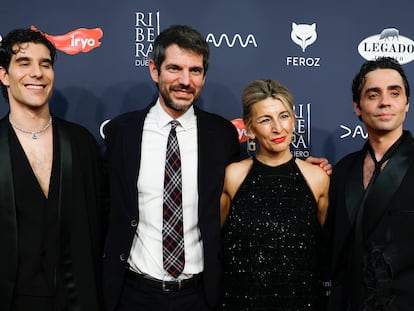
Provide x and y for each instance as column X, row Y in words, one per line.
column 241, row 129
column 76, row 41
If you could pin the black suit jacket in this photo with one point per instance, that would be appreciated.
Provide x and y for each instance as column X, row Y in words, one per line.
column 217, row 146
column 388, row 226
column 82, row 210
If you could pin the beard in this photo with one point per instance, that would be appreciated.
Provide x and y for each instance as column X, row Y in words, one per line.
column 177, row 107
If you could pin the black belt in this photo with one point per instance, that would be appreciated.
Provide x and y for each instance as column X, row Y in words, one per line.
column 166, row 286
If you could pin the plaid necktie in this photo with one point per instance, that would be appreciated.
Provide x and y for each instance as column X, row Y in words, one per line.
column 172, row 231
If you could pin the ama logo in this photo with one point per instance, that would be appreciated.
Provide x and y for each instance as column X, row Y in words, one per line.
column 303, row 35
column 231, row 42
column 79, row 40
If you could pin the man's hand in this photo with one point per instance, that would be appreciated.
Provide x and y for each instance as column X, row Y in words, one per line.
column 322, row 162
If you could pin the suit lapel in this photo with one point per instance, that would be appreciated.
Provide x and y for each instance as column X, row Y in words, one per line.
column 347, row 213
column 202, row 136
column 65, row 213
column 354, row 187
column 386, row 185
column 131, row 145
column 131, row 136
column 7, row 200
column 65, row 174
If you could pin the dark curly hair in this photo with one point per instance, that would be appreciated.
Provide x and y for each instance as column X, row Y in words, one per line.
column 17, row 37
column 379, row 63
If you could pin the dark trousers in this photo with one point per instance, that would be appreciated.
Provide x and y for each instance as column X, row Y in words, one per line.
column 137, row 296
column 27, row 303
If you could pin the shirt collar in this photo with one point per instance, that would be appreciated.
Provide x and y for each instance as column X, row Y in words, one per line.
column 187, row 120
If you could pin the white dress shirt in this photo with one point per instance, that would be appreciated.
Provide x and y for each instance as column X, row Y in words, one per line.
column 146, row 251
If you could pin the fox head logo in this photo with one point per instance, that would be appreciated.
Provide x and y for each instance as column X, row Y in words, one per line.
column 303, row 35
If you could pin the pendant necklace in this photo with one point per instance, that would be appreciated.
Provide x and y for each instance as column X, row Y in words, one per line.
column 33, row 133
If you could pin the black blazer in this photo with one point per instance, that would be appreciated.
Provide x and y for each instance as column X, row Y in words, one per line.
column 389, row 227
column 82, row 209
column 217, row 146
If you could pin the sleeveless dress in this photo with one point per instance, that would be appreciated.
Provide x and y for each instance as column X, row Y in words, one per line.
column 271, row 243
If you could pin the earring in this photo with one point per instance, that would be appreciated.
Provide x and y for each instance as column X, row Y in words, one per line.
column 251, row 145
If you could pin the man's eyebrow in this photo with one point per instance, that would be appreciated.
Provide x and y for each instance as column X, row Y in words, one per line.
column 372, row 89
column 378, row 89
column 172, row 65
column 26, row 59
column 394, row 87
column 22, row 59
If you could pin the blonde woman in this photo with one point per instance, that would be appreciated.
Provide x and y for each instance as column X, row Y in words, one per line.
column 273, row 208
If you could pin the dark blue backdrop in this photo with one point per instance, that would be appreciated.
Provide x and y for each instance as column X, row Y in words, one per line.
column 248, row 40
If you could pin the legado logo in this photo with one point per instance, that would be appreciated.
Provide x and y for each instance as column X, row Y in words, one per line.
column 237, row 38
column 76, row 41
column 303, row 35
column 388, row 43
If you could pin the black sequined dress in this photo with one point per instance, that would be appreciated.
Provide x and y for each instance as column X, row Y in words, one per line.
column 270, row 243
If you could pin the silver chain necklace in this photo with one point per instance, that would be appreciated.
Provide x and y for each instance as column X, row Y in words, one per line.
column 33, row 133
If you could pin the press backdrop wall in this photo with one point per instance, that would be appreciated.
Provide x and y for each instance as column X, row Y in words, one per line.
column 313, row 47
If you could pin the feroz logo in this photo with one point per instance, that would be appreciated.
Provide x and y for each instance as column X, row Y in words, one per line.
column 79, row 40
column 387, row 43
column 237, row 38
column 147, row 28
column 303, row 35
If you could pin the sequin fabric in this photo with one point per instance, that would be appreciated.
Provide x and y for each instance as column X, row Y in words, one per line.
column 270, row 243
